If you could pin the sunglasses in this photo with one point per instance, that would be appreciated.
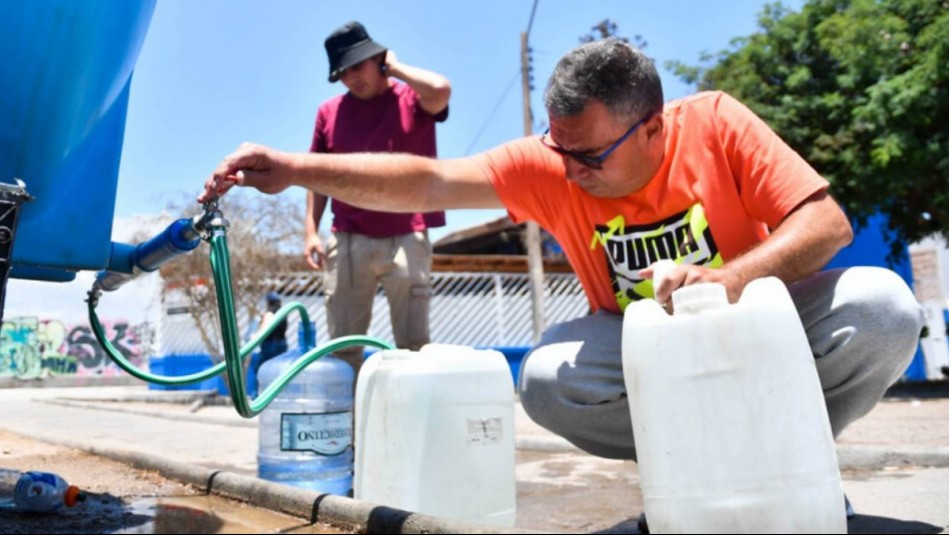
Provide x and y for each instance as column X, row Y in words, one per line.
column 593, row 162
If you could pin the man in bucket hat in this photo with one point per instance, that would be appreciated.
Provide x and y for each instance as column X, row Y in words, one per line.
column 389, row 107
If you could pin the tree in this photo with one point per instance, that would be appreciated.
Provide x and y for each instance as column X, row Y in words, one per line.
column 264, row 240
column 860, row 89
column 607, row 28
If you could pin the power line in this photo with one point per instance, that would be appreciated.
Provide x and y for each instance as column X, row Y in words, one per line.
column 531, row 21
column 527, row 65
column 497, row 105
column 493, row 111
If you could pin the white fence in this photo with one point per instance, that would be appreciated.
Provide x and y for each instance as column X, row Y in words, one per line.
column 473, row 309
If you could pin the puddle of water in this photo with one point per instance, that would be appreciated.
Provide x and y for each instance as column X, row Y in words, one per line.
column 211, row 514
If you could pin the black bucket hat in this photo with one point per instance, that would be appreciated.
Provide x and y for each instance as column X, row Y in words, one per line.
column 349, row 45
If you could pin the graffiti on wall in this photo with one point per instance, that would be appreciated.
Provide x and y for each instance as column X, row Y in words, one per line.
column 31, row 347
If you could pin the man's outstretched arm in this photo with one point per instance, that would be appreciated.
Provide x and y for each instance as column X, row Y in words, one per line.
column 385, row 182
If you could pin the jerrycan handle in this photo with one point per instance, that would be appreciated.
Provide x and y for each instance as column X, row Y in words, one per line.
column 691, row 298
column 660, row 270
column 698, row 297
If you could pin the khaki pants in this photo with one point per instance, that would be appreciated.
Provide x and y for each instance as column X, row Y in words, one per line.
column 355, row 267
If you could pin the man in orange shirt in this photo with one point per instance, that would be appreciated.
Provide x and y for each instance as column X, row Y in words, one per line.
column 621, row 181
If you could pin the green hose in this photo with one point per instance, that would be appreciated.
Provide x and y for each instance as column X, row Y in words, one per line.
column 233, row 354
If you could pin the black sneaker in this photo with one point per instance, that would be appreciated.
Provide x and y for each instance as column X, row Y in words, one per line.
column 641, row 524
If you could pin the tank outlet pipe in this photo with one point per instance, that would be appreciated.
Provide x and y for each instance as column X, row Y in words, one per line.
column 129, row 261
column 181, row 237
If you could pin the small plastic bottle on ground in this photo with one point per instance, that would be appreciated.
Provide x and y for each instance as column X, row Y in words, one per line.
column 36, row 492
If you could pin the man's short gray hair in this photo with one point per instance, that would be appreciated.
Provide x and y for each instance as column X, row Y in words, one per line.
column 620, row 76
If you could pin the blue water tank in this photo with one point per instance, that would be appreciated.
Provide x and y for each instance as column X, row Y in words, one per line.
column 66, row 74
column 306, row 433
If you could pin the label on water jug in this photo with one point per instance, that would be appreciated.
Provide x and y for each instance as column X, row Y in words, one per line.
column 482, row 431
column 328, row 433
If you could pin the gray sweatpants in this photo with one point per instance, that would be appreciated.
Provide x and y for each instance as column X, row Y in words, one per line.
column 862, row 323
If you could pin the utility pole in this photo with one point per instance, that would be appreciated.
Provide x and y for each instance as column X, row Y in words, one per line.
column 535, row 262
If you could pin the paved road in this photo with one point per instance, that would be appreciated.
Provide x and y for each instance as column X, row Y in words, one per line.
column 895, row 461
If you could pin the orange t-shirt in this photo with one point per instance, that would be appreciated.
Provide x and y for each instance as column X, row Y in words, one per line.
column 725, row 180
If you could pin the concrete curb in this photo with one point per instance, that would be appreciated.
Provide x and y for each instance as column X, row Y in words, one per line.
column 861, row 457
column 552, row 444
column 854, row 457
column 68, row 381
column 547, row 444
column 197, row 418
column 849, row 457
column 347, row 513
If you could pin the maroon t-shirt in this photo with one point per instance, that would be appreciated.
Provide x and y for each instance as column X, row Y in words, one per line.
column 390, row 122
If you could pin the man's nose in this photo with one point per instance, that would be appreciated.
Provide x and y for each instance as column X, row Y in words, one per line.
column 574, row 169
column 348, row 75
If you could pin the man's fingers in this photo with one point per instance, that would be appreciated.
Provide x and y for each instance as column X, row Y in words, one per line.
column 215, row 188
column 229, row 173
column 314, row 257
column 224, row 185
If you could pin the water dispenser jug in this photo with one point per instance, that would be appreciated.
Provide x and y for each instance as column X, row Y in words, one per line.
column 306, row 432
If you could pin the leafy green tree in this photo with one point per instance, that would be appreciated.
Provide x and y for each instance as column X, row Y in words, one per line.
column 860, row 89
column 608, row 28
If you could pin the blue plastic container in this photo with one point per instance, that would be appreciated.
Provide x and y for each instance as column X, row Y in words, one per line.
column 514, row 356
column 65, row 76
column 178, row 365
column 306, row 432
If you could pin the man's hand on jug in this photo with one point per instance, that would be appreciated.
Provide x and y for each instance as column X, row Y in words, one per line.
column 685, row 274
column 252, row 165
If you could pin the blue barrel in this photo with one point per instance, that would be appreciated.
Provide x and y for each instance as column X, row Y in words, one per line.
column 66, row 74
column 306, row 433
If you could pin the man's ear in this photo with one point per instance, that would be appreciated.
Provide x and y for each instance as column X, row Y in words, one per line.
column 382, row 61
column 654, row 125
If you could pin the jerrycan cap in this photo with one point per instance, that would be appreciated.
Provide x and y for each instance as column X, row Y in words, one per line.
column 699, row 297
column 73, row 496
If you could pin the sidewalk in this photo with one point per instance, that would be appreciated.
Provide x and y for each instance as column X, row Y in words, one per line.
column 895, row 460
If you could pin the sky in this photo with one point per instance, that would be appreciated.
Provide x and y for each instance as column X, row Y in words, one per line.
column 214, row 73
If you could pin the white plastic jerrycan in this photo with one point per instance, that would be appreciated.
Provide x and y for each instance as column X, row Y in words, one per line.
column 435, row 433
column 731, row 430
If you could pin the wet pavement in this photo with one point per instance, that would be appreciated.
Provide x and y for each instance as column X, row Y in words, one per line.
column 120, row 499
column 213, row 514
column 895, row 461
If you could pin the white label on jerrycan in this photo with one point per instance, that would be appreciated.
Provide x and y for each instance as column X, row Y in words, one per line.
column 728, row 415
column 324, row 434
column 483, row 431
